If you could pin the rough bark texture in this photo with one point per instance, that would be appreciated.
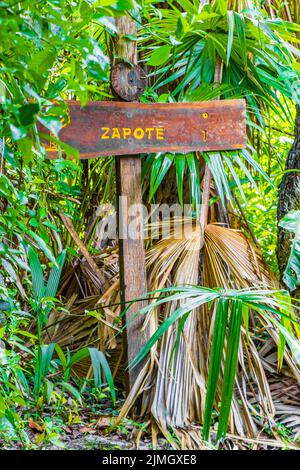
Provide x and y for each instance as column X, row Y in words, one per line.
column 289, row 197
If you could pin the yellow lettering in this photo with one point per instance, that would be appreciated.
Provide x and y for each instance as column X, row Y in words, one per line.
column 139, row 133
column 116, row 133
column 204, row 136
column 160, row 133
column 126, row 132
column 105, row 133
column 149, row 131
column 52, row 144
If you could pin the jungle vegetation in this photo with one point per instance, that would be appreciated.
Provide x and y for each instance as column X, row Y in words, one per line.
column 223, row 361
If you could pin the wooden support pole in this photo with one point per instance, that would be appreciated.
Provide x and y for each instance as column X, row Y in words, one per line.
column 207, row 179
column 133, row 280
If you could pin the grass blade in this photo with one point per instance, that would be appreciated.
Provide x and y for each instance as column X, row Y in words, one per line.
column 233, row 341
column 215, row 363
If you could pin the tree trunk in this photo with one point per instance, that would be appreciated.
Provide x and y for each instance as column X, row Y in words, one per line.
column 289, row 197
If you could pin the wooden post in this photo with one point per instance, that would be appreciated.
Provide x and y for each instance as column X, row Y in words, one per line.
column 126, row 129
column 133, row 280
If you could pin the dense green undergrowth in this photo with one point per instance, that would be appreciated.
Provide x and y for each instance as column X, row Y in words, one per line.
column 57, row 50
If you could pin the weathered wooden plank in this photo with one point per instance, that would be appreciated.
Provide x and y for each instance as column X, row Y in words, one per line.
column 132, row 257
column 119, row 128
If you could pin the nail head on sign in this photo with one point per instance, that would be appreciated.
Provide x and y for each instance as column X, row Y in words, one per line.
column 128, row 81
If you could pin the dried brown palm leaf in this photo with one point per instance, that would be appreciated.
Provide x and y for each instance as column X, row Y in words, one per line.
column 173, row 386
column 89, row 321
column 230, row 261
column 178, row 397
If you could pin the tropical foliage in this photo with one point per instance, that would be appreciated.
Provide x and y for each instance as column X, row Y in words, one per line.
column 224, row 336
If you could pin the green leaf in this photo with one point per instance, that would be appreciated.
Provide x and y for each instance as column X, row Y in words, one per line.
column 40, row 65
column 43, row 360
column 47, row 353
column 108, row 375
column 205, row 296
column 27, row 113
column 48, row 391
column 37, row 274
column 25, row 147
column 14, row 275
column 291, row 276
column 241, row 33
column 194, row 179
column 17, row 133
column 61, row 355
column 237, row 302
column 53, row 123
column 43, row 246
column 221, row 7
column 231, row 361
column 188, row 6
column 294, row 344
column 73, row 391
column 215, row 359
column 159, row 170
column 180, row 167
column 2, row 406
column 54, row 277
column 79, row 356
column 160, row 55
column 33, row 222
column 99, row 363
column 96, row 367
column 231, row 24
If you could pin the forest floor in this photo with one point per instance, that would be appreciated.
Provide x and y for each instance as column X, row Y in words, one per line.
column 92, row 435
column 92, row 427
column 96, row 432
column 81, row 428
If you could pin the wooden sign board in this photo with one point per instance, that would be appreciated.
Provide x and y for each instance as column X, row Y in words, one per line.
column 118, row 128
